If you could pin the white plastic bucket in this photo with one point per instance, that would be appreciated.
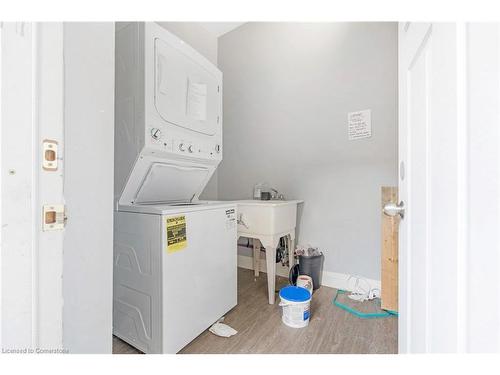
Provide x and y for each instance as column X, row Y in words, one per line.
column 296, row 310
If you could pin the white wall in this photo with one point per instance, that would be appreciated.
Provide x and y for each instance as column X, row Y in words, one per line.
column 205, row 43
column 88, row 186
column 287, row 90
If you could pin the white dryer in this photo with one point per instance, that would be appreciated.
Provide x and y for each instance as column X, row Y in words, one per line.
column 174, row 256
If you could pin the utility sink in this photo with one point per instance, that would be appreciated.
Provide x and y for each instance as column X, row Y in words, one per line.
column 266, row 217
column 268, row 222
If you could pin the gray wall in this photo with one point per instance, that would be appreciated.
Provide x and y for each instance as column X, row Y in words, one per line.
column 287, row 90
column 88, row 186
column 206, row 44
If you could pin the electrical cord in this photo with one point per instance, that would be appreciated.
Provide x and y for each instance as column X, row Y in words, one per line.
column 361, row 292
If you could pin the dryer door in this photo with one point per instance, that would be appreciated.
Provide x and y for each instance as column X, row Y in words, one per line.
column 186, row 94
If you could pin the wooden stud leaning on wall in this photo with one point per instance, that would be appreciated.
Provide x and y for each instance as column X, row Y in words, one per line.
column 390, row 225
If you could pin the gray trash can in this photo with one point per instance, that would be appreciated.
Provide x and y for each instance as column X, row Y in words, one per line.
column 312, row 266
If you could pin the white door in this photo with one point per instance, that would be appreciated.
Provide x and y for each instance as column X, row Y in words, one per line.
column 31, row 134
column 448, row 136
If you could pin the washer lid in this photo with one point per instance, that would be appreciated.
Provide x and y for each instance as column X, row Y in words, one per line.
column 154, row 180
column 171, row 183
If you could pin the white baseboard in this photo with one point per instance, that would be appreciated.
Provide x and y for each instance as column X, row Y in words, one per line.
column 341, row 281
column 330, row 279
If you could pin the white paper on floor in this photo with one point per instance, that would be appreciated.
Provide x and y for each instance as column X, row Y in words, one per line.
column 222, row 330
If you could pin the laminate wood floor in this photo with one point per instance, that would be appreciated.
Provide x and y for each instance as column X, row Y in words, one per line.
column 260, row 330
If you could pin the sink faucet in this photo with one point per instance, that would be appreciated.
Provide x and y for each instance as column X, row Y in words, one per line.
column 276, row 195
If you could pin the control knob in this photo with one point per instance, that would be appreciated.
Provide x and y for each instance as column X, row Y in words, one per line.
column 155, row 133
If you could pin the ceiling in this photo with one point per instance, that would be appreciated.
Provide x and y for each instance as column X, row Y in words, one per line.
column 220, row 28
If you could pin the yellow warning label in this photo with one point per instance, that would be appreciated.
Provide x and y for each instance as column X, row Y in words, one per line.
column 176, row 233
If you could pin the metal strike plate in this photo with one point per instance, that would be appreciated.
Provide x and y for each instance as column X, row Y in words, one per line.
column 50, row 155
column 54, row 217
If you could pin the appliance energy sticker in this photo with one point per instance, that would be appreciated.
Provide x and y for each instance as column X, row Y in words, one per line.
column 176, row 234
column 230, row 218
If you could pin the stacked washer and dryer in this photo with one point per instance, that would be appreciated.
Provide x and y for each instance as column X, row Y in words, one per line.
column 174, row 255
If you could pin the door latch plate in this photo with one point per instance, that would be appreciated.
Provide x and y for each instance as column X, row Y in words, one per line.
column 54, row 217
column 50, row 154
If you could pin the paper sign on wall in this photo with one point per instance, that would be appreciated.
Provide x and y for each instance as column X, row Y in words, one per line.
column 176, row 233
column 359, row 124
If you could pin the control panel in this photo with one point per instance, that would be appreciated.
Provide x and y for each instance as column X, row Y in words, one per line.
column 190, row 147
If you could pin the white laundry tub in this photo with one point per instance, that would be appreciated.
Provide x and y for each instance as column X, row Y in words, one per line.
column 266, row 217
